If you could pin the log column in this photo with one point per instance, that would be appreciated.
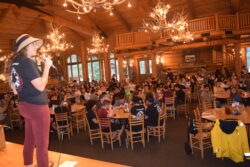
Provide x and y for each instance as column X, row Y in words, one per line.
column 154, row 65
column 121, row 71
column 106, row 66
column 83, row 54
column 238, row 62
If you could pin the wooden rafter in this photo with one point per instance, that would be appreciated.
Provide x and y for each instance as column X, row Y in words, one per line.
column 32, row 25
column 122, row 19
column 97, row 27
column 93, row 24
column 146, row 5
column 59, row 20
column 3, row 14
column 192, row 10
column 234, row 6
column 16, row 12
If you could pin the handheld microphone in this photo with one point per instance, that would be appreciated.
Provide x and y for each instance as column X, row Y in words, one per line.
column 44, row 59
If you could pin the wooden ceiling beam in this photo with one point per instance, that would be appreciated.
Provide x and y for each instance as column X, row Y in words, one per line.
column 59, row 20
column 146, row 5
column 3, row 14
column 192, row 9
column 32, row 25
column 97, row 27
column 121, row 19
column 235, row 6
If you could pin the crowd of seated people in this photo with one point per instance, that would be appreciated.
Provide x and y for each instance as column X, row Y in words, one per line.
column 102, row 96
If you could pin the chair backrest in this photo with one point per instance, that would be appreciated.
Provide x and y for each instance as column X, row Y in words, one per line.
column 133, row 122
column 197, row 114
column 105, row 122
column 207, row 104
column 61, row 117
column 162, row 119
column 169, row 101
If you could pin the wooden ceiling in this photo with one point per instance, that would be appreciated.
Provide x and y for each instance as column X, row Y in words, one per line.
column 35, row 17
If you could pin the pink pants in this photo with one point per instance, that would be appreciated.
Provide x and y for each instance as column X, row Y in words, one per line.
column 37, row 123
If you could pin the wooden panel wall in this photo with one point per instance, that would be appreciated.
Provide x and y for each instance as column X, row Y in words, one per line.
column 175, row 60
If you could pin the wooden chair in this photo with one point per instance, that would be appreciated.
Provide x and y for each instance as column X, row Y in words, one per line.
column 207, row 104
column 170, row 107
column 135, row 136
column 108, row 136
column 93, row 133
column 160, row 129
column 230, row 101
column 79, row 120
column 201, row 140
column 182, row 108
column 15, row 117
column 63, row 125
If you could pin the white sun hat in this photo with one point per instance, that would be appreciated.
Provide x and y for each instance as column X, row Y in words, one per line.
column 25, row 39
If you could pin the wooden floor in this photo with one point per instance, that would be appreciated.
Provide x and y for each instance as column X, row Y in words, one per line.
column 11, row 156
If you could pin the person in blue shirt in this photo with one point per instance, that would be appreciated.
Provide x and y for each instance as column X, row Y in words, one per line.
column 236, row 97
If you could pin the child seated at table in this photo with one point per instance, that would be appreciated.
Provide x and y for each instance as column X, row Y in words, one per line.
column 105, row 112
column 152, row 111
column 91, row 116
column 137, row 111
column 235, row 95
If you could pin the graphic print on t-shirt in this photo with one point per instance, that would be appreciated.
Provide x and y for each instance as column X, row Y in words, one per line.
column 16, row 79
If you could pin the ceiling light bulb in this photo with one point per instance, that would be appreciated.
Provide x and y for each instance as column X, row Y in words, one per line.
column 78, row 17
column 65, row 4
column 111, row 13
column 129, row 4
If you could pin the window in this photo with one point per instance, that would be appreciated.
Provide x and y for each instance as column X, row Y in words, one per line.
column 114, row 66
column 142, row 67
column 95, row 68
column 74, row 67
column 248, row 58
column 150, row 66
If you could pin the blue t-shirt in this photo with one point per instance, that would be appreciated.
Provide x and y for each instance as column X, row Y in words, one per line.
column 23, row 71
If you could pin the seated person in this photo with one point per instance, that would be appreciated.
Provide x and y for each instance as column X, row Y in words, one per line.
column 93, row 123
column 120, row 100
column 137, row 111
column 63, row 109
column 179, row 95
column 234, row 94
column 218, row 90
column 152, row 111
column 206, row 94
column 105, row 112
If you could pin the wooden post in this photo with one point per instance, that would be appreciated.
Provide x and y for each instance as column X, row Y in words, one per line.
column 83, row 54
column 136, row 72
column 244, row 56
column 237, row 20
column 224, row 59
column 154, row 65
column 106, row 66
column 217, row 22
column 121, row 71
column 238, row 62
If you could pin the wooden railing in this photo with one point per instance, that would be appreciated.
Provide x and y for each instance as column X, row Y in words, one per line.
column 202, row 25
column 196, row 26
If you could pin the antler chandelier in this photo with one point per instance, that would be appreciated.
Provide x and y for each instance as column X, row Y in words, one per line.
column 56, row 43
column 179, row 29
column 98, row 45
column 158, row 18
column 86, row 6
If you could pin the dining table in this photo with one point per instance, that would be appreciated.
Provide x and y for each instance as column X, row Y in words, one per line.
column 220, row 113
column 120, row 113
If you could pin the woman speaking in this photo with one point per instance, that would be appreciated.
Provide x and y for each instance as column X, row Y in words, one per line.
column 29, row 83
